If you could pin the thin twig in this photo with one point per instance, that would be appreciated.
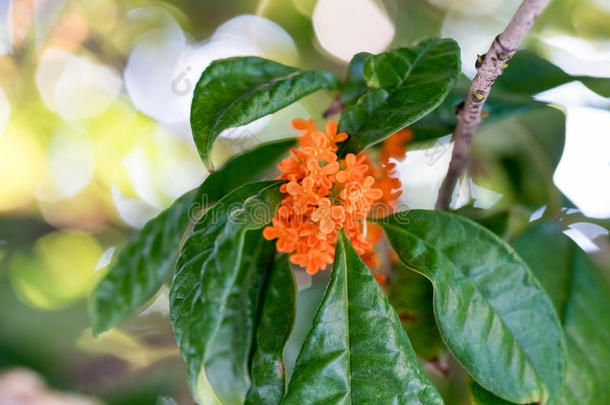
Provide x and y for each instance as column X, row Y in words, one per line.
column 488, row 69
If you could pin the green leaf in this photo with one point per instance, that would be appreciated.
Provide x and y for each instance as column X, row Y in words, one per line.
column 274, row 327
column 491, row 311
column 357, row 351
column 146, row 261
column 236, row 91
column 411, row 295
column 228, row 352
column 480, row 396
column 500, row 105
column 355, row 84
column 214, row 293
column 580, row 292
column 244, row 168
column 528, row 73
column 141, row 266
column 496, row 221
column 405, row 85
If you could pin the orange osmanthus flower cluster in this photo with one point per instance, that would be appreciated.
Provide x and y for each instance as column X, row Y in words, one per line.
column 325, row 195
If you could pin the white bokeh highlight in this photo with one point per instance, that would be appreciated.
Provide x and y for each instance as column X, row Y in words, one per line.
column 468, row 7
column 267, row 37
column 75, row 87
column 475, row 32
column 150, row 71
column 141, row 172
column 578, row 56
column 86, row 89
column 70, row 166
column 421, row 173
column 6, row 27
column 345, row 27
column 133, row 211
column 583, row 173
column 174, row 63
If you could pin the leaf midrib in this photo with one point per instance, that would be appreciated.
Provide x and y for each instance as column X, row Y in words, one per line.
column 418, row 58
column 434, row 283
column 269, row 83
column 226, row 293
column 383, row 105
column 247, row 94
column 196, row 294
column 347, row 312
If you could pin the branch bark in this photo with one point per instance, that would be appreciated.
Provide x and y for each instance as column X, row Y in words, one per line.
column 502, row 49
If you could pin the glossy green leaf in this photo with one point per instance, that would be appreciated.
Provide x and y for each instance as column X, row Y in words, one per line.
column 491, row 311
column 498, row 222
column 357, row 351
column 245, row 168
column 214, row 293
column 410, row 294
column 228, row 352
column 141, row 266
column 580, row 292
column 146, row 261
column 405, row 85
column 500, row 105
column 480, row 396
column 236, row 91
column 274, row 326
column 355, row 84
column 528, row 73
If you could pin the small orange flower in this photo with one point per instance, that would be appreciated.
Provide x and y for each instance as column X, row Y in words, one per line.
column 387, row 180
column 394, row 146
column 311, row 236
column 333, row 137
column 319, row 148
column 359, row 197
column 304, row 193
column 304, row 125
column 355, row 169
column 329, row 216
column 313, row 260
column 292, row 167
column 374, row 233
column 323, row 196
column 322, row 175
column 286, row 236
column 354, row 233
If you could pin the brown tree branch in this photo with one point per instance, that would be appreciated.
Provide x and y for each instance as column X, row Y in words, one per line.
column 488, row 69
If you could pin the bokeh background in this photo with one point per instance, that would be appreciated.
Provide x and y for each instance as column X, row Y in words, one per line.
column 95, row 140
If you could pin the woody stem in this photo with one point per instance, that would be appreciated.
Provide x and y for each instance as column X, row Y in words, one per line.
column 502, row 49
